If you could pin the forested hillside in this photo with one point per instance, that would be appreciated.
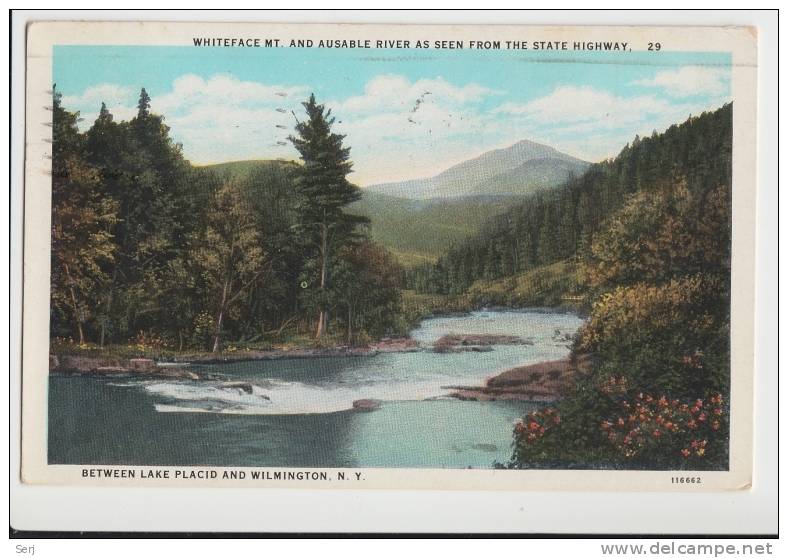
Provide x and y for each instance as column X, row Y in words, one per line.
column 654, row 267
column 560, row 224
column 151, row 251
column 419, row 231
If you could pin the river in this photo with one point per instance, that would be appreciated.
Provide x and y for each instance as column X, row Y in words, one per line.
column 299, row 413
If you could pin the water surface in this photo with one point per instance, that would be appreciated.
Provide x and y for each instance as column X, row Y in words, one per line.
column 299, row 412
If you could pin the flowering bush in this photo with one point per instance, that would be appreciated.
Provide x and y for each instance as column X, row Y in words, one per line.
column 537, row 424
column 637, row 432
column 649, row 426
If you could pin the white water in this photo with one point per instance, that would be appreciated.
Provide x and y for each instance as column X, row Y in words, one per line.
column 327, row 385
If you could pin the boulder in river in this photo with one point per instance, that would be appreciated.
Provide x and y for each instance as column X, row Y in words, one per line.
column 366, row 405
column 481, row 342
column 142, row 364
column 245, row 387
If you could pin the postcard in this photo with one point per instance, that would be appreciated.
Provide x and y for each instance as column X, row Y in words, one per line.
column 389, row 256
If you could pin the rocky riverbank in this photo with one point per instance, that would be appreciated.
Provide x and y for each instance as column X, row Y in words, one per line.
column 475, row 342
column 108, row 366
column 180, row 367
column 544, row 381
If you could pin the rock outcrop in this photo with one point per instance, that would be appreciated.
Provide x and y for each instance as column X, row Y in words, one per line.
column 544, row 381
column 366, row 405
column 106, row 366
column 476, row 342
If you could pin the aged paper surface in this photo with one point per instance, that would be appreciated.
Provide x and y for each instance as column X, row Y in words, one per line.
column 539, row 274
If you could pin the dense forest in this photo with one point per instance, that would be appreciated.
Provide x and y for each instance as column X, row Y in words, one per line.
column 560, row 224
column 152, row 251
column 655, row 277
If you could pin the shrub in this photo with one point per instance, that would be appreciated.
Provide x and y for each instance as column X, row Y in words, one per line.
column 672, row 338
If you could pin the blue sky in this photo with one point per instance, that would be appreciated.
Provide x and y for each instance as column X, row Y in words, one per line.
column 406, row 114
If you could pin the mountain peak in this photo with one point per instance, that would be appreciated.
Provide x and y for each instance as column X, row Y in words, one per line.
column 521, row 168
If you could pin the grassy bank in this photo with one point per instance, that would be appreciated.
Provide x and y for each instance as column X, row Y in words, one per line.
column 554, row 285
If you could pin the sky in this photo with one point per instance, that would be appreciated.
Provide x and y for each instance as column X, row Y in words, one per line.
column 406, row 114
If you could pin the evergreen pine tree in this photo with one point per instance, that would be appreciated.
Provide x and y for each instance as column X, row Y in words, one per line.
column 325, row 194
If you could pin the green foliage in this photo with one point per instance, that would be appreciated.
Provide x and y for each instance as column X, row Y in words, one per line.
column 419, row 231
column 418, row 306
column 671, row 337
column 658, row 275
column 150, row 250
column 663, row 233
column 322, row 223
column 558, row 224
column 228, row 254
column 367, row 284
column 83, row 218
column 550, row 285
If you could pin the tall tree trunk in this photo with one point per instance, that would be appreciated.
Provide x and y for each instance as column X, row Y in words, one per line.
column 218, row 334
column 74, row 305
column 321, row 319
column 321, row 324
column 350, row 322
column 109, row 304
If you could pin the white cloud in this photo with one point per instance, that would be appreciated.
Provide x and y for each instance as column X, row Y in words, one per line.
column 397, row 128
column 690, row 81
column 595, row 124
column 571, row 104
column 390, row 92
column 120, row 101
column 105, row 92
column 191, row 91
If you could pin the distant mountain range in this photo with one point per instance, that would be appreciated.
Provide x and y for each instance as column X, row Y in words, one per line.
column 418, row 220
column 520, row 169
